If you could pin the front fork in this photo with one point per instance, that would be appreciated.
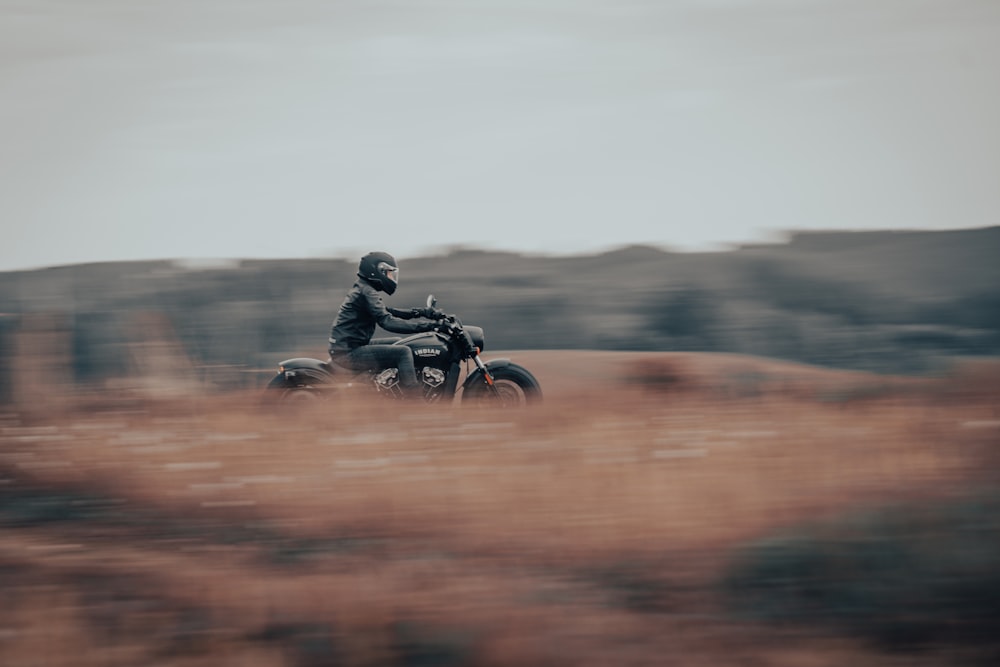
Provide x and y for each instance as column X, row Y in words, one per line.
column 473, row 352
column 486, row 373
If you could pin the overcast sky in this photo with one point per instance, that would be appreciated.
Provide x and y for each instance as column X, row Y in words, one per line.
column 325, row 128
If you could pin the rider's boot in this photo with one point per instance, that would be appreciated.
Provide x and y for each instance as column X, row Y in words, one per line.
column 411, row 392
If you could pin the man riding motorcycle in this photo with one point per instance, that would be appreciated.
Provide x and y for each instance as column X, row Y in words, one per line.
column 351, row 342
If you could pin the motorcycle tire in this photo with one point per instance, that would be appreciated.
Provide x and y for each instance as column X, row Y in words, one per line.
column 513, row 387
column 279, row 390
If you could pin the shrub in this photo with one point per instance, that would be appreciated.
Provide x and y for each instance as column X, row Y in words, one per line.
column 900, row 576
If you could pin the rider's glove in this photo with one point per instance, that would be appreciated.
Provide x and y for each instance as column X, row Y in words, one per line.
column 421, row 312
column 429, row 313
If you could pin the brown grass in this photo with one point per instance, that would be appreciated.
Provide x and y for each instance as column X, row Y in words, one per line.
column 587, row 531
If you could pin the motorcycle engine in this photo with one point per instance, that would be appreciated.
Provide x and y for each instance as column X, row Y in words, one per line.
column 433, row 377
column 388, row 378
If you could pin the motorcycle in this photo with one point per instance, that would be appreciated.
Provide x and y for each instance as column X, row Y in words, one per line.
column 438, row 356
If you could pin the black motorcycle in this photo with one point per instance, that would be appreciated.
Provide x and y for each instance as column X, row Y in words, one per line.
column 439, row 357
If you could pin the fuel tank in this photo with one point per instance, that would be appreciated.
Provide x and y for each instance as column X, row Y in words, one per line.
column 430, row 345
column 427, row 347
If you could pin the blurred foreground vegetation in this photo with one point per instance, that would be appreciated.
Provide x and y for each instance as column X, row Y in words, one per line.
column 904, row 576
column 710, row 510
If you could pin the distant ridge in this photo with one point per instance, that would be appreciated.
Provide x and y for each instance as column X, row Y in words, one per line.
column 845, row 240
column 805, row 240
column 871, row 300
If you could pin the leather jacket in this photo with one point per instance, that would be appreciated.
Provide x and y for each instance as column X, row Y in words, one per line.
column 361, row 311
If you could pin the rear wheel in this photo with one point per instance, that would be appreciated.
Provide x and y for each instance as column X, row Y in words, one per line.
column 280, row 390
column 302, row 394
column 513, row 387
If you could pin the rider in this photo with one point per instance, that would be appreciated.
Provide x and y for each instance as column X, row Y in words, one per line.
column 351, row 342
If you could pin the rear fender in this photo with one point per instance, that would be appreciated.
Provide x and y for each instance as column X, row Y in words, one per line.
column 303, row 370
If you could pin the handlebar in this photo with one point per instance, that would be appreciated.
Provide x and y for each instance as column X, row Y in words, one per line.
column 448, row 322
column 452, row 326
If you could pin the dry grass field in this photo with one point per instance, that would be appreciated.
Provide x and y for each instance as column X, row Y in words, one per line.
column 591, row 530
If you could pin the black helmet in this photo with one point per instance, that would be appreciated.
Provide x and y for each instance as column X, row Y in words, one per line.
column 379, row 268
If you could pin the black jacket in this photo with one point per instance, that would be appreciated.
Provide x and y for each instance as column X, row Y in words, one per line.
column 362, row 309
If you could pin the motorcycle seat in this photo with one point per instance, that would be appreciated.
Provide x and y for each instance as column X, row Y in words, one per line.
column 334, row 367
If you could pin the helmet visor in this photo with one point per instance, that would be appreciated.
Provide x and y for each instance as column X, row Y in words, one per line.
column 389, row 271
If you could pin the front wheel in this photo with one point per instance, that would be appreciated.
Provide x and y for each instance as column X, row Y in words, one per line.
column 513, row 387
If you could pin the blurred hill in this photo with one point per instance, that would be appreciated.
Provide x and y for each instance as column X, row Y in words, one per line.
column 882, row 301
